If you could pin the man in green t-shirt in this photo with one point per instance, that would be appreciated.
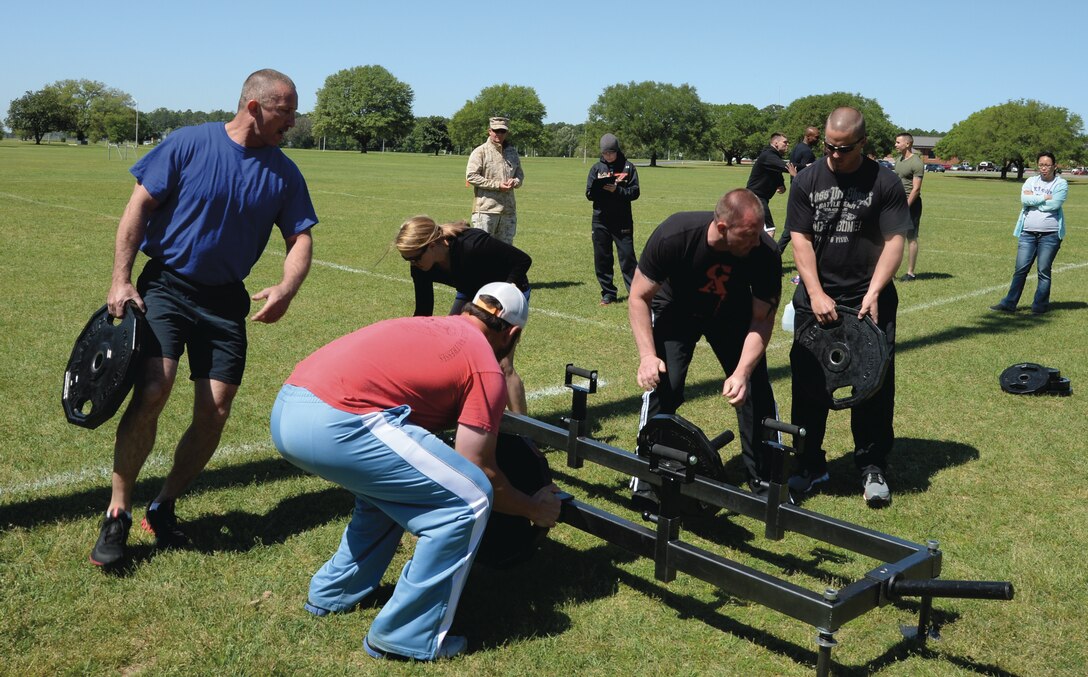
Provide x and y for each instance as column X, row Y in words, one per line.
column 910, row 169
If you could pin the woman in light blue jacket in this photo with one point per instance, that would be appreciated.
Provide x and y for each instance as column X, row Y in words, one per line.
column 1041, row 229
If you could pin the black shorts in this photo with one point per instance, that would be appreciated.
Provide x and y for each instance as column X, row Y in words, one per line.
column 207, row 321
column 915, row 219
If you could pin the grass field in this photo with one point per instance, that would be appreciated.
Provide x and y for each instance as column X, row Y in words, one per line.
column 1000, row 480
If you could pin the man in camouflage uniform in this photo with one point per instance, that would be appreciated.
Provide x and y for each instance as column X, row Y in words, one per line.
column 494, row 171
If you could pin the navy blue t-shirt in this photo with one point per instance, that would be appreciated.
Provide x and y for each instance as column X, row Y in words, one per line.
column 218, row 201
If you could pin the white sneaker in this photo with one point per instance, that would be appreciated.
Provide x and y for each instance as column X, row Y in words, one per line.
column 877, row 494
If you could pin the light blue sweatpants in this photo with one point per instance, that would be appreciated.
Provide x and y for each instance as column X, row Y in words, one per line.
column 404, row 479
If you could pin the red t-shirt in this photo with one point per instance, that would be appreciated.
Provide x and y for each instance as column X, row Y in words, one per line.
column 442, row 367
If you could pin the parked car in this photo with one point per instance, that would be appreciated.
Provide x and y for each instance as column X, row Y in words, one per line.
column 966, row 167
column 1080, row 171
column 887, row 163
column 985, row 166
column 934, row 167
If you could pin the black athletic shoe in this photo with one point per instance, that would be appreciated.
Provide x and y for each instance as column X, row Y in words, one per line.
column 110, row 548
column 163, row 523
column 645, row 501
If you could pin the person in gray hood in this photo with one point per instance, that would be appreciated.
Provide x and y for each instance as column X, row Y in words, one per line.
column 612, row 185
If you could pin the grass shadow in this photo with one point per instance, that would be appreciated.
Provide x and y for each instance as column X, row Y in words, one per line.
column 499, row 606
column 557, row 284
column 931, row 275
column 1068, row 305
column 81, row 504
column 912, row 465
column 239, row 531
column 713, row 616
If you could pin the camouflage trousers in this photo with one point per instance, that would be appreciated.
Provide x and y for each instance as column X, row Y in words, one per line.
column 499, row 226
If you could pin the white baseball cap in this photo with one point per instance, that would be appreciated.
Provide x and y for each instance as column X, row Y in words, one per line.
column 511, row 302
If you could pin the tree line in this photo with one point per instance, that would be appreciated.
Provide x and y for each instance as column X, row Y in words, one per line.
column 89, row 110
column 366, row 108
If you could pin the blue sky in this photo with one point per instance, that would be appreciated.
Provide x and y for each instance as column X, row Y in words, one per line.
column 929, row 64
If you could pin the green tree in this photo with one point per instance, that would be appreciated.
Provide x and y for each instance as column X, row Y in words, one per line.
column 564, row 140
column 736, row 130
column 468, row 126
column 1013, row 132
column 813, row 111
column 162, row 121
column 916, row 131
column 652, row 118
column 114, row 118
column 87, row 101
column 302, row 134
column 35, row 114
column 365, row 103
column 430, row 134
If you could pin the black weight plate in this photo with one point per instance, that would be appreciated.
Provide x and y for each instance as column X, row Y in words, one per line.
column 852, row 353
column 101, row 369
column 511, row 539
column 1026, row 378
column 679, row 433
column 1060, row 387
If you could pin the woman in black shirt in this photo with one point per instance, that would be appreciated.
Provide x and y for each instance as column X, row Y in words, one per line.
column 466, row 259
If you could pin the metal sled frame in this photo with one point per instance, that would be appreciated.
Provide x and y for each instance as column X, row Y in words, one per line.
column 910, row 569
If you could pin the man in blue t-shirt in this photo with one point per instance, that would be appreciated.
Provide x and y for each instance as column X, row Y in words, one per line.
column 202, row 210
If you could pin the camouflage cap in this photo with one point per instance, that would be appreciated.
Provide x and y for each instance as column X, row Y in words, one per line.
column 499, row 123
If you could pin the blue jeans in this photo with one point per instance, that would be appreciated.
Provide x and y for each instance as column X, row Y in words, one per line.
column 1045, row 246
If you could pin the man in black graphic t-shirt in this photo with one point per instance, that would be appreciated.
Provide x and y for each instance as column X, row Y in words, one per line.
column 847, row 218
column 715, row 275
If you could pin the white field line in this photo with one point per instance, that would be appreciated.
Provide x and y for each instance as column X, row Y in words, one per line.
column 535, row 310
column 74, row 477
column 52, row 205
column 103, row 473
column 985, row 290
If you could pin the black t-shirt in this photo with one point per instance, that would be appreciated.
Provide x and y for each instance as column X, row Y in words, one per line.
column 848, row 215
column 766, row 177
column 702, row 282
column 802, row 156
column 476, row 259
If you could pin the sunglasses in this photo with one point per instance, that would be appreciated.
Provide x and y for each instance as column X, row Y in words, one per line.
column 418, row 257
column 842, row 150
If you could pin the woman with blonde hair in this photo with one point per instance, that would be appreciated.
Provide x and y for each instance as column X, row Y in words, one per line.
column 466, row 259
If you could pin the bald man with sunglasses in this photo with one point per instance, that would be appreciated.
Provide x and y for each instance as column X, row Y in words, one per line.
column 848, row 217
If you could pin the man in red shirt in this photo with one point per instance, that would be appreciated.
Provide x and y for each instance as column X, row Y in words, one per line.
column 362, row 412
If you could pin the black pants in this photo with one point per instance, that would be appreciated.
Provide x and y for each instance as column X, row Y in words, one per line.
column 674, row 340
column 870, row 421
column 603, row 239
column 784, row 239
column 768, row 220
